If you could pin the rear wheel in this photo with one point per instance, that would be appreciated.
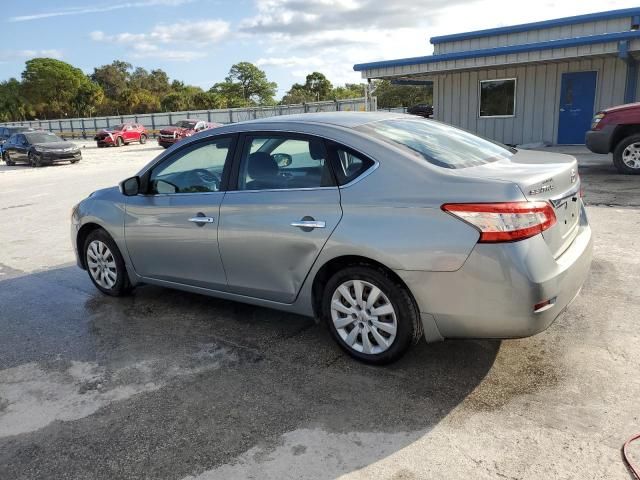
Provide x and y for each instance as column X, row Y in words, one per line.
column 370, row 314
column 119, row 142
column 626, row 156
column 7, row 159
column 105, row 264
column 143, row 139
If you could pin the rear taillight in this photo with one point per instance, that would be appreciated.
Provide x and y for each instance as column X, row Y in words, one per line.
column 505, row 222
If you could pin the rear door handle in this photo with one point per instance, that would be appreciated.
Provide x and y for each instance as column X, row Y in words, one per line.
column 309, row 224
column 201, row 220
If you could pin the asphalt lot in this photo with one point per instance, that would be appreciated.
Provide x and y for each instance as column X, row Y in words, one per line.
column 171, row 385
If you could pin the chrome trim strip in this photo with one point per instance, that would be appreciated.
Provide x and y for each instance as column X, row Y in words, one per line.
column 305, row 189
column 364, row 174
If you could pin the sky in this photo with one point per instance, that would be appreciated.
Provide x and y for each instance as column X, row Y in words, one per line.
column 197, row 41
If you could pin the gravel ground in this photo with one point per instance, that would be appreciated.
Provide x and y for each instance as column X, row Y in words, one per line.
column 171, row 385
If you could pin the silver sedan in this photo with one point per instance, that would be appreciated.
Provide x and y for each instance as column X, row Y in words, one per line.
column 388, row 227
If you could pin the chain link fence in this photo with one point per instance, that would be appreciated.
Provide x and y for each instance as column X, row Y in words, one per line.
column 154, row 122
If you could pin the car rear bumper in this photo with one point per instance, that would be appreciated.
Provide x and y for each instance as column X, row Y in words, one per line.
column 493, row 294
column 599, row 141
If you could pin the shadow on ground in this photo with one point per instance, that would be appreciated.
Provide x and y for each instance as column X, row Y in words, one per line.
column 180, row 383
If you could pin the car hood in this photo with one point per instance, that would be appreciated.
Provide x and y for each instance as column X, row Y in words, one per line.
column 619, row 108
column 56, row 146
column 174, row 129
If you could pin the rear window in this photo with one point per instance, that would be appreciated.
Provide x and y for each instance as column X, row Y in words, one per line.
column 439, row 144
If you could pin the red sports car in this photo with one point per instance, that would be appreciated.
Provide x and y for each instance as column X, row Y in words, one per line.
column 182, row 129
column 122, row 134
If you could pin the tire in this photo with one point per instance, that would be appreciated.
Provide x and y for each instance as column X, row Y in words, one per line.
column 100, row 250
column 143, row 139
column 7, row 159
column 34, row 161
column 385, row 344
column 119, row 142
column 626, row 156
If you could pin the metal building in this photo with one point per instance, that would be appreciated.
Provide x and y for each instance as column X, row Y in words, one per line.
column 535, row 82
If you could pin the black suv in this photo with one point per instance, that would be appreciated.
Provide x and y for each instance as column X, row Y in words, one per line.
column 422, row 109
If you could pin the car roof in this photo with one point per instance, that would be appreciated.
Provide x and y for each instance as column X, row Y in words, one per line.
column 342, row 119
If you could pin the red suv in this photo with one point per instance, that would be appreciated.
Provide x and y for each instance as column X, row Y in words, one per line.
column 122, row 134
column 617, row 130
column 182, row 129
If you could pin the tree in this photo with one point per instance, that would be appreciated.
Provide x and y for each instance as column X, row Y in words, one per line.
column 390, row 95
column 349, row 90
column 113, row 78
column 232, row 94
column 252, row 82
column 175, row 102
column 206, row 101
column 318, row 85
column 88, row 98
column 13, row 105
column 52, row 86
column 297, row 94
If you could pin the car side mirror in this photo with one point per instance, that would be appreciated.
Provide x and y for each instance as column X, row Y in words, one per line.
column 130, row 187
column 282, row 159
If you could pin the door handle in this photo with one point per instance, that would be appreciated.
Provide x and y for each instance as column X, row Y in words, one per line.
column 310, row 224
column 201, row 220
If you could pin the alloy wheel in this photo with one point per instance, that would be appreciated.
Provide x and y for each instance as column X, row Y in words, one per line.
column 364, row 317
column 102, row 264
column 631, row 155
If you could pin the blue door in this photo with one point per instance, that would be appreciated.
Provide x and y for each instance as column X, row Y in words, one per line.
column 577, row 96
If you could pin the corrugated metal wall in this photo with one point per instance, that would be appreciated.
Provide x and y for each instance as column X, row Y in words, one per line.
column 537, row 97
column 539, row 35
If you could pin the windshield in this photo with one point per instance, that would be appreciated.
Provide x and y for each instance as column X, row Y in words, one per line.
column 186, row 124
column 118, row 127
column 439, row 144
column 42, row 137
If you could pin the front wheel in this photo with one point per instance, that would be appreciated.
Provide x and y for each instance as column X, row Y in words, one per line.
column 119, row 142
column 105, row 264
column 626, row 156
column 370, row 314
column 143, row 139
column 34, row 160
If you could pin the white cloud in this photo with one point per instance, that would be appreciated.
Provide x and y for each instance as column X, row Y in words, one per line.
column 29, row 53
column 63, row 12
column 331, row 36
column 191, row 36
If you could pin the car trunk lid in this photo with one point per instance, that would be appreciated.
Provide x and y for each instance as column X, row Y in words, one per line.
column 543, row 176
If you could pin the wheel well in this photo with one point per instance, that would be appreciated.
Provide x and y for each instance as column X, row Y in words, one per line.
column 81, row 237
column 339, row 263
column 621, row 132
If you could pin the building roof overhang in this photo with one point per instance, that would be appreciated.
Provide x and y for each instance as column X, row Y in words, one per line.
column 605, row 38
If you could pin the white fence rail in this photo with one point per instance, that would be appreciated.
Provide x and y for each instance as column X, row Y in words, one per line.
column 87, row 127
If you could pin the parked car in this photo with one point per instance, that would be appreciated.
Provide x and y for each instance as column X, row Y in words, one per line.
column 183, row 129
column 38, row 148
column 6, row 132
column 422, row 110
column 122, row 134
column 388, row 227
column 617, row 130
